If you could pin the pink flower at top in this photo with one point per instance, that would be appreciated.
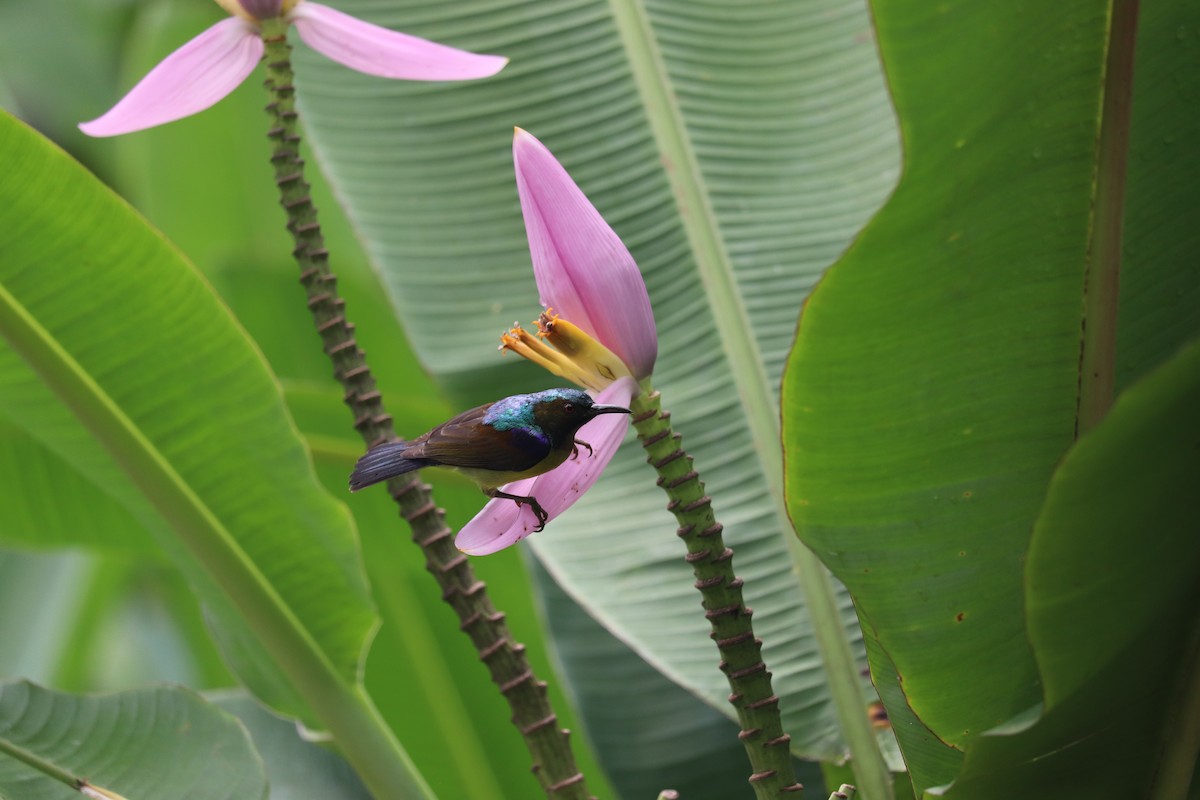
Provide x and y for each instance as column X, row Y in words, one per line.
column 212, row 65
column 601, row 337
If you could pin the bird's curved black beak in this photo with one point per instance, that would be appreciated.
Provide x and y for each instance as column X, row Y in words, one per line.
column 597, row 410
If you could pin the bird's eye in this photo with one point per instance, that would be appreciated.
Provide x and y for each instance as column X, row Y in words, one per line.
column 569, row 408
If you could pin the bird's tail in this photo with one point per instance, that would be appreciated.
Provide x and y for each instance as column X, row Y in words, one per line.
column 380, row 463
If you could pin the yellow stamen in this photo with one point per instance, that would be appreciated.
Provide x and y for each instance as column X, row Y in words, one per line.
column 566, row 351
column 528, row 346
column 576, row 345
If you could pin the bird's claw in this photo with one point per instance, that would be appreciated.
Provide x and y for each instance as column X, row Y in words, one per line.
column 522, row 500
column 540, row 513
column 577, row 444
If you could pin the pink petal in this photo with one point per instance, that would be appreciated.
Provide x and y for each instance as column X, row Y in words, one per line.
column 503, row 523
column 582, row 268
column 389, row 54
column 189, row 80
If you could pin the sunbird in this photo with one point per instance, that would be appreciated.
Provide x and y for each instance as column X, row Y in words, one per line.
column 494, row 444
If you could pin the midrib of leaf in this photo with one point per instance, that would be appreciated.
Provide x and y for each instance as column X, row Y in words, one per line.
column 366, row 740
column 746, row 362
column 1097, row 369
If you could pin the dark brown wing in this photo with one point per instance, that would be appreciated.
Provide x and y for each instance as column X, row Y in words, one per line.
column 466, row 441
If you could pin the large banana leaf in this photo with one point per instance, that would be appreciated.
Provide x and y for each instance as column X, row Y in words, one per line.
column 736, row 148
column 937, row 378
column 934, row 380
column 68, row 238
column 158, row 742
column 123, row 362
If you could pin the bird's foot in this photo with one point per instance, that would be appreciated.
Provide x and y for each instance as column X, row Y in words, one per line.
column 575, row 448
column 523, row 500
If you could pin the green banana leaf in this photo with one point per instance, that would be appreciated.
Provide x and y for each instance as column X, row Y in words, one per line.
column 191, row 434
column 783, row 109
column 158, row 742
column 936, row 381
column 1114, row 611
column 30, row 469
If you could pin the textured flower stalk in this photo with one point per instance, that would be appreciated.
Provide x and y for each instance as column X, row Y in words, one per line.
column 756, row 704
column 553, row 763
column 844, row 792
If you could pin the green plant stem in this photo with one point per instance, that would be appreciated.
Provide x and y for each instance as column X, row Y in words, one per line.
column 1097, row 369
column 47, row 768
column 553, row 763
column 756, row 704
column 750, row 377
column 55, row 772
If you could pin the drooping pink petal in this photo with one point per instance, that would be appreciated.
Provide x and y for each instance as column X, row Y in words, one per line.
column 389, row 54
column 189, row 80
column 583, row 269
column 503, row 523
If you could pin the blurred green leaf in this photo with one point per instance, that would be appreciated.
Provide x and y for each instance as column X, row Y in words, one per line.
column 87, row 623
column 786, row 111
column 157, row 742
column 200, row 430
column 1114, row 618
column 40, row 596
column 296, row 769
column 56, row 60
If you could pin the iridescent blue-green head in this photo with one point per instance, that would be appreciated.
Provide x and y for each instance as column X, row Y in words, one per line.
column 555, row 413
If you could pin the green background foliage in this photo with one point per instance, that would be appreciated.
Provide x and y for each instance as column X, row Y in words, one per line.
column 1004, row 563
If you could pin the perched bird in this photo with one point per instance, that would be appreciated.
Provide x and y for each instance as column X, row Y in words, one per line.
column 495, row 444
